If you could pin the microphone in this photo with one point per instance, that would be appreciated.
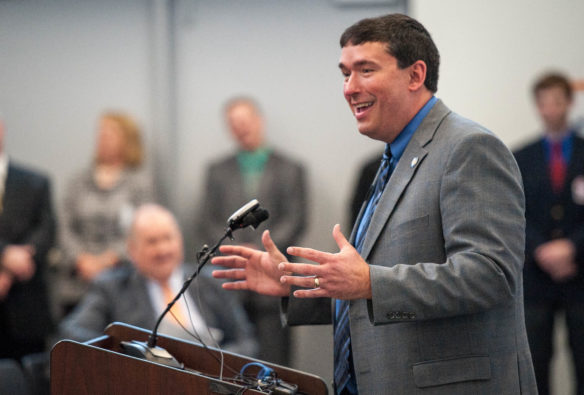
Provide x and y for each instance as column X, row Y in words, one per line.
column 255, row 218
column 236, row 219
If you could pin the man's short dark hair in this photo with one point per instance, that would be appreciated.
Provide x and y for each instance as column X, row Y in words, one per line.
column 551, row 80
column 407, row 40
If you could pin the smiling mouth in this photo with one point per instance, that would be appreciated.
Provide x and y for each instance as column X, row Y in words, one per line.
column 361, row 107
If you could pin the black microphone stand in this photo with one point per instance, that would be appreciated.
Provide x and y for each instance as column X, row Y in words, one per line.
column 149, row 350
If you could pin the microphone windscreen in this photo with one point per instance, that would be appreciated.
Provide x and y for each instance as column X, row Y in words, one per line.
column 255, row 218
column 261, row 215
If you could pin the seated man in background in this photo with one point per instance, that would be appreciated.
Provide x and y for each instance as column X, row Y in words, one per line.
column 27, row 233
column 137, row 293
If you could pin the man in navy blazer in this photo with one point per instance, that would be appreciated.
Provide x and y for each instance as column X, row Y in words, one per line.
column 430, row 281
column 27, row 232
column 554, row 196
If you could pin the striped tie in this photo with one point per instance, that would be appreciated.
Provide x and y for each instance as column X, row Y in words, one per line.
column 342, row 336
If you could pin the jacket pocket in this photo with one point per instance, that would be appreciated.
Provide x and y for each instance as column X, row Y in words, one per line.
column 455, row 370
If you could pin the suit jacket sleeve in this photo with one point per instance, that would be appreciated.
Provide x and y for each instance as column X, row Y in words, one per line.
column 531, row 162
column 68, row 235
column 91, row 316
column 481, row 212
column 42, row 236
column 296, row 311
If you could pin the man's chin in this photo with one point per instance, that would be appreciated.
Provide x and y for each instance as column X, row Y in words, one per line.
column 366, row 131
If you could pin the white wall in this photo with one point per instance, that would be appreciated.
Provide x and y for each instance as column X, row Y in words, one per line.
column 493, row 50
column 61, row 64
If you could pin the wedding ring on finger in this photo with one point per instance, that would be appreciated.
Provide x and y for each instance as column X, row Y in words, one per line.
column 316, row 282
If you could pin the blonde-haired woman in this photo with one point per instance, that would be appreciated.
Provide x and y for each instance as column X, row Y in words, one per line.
column 98, row 206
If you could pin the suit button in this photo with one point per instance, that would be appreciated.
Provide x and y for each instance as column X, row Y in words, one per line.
column 557, row 233
column 557, row 212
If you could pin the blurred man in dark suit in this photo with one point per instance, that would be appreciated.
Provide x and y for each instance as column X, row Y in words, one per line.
column 27, row 232
column 553, row 176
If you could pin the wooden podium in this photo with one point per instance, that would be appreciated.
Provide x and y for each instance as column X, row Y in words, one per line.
column 100, row 366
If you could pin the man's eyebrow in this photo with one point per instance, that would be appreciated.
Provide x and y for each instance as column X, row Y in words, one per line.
column 359, row 63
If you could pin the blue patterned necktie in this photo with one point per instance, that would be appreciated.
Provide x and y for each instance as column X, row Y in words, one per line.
column 344, row 372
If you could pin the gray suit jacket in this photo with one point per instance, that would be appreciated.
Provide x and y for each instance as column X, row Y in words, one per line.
column 121, row 294
column 282, row 191
column 445, row 248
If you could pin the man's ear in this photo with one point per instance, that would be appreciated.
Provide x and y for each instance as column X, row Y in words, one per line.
column 417, row 75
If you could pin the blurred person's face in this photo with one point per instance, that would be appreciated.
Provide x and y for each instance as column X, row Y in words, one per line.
column 155, row 245
column 110, row 142
column 553, row 106
column 246, row 126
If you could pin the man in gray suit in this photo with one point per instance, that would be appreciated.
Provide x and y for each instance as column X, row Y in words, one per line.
column 278, row 182
column 137, row 293
column 428, row 292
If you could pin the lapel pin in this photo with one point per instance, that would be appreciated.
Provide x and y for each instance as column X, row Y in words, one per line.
column 414, row 162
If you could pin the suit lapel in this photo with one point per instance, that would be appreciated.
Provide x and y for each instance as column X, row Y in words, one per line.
column 3, row 189
column 144, row 314
column 362, row 210
column 398, row 182
column 268, row 179
column 10, row 185
column 575, row 166
column 11, row 196
column 403, row 173
column 540, row 167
